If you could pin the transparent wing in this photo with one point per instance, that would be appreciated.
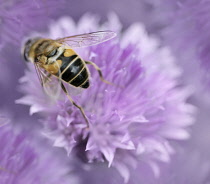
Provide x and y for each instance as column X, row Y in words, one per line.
column 39, row 73
column 74, row 91
column 88, row 39
column 50, row 83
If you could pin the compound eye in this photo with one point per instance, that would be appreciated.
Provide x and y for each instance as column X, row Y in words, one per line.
column 52, row 53
column 25, row 50
column 25, row 55
column 28, row 42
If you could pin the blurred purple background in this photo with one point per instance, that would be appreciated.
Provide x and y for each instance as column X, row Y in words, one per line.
column 174, row 25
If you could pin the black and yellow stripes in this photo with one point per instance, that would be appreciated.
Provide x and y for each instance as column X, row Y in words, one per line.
column 58, row 60
column 73, row 70
column 80, row 79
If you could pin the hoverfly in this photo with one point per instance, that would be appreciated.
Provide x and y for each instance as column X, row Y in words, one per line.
column 57, row 58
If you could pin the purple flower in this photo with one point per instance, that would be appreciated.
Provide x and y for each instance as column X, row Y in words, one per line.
column 17, row 19
column 186, row 31
column 181, row 170
column 131, row 122
column 24, row 160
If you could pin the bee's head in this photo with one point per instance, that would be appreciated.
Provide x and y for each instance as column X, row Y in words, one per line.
column 27, row 46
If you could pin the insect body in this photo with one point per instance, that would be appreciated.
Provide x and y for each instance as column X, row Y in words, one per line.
column 57, row 58
column 73, row 69
column 61, row 62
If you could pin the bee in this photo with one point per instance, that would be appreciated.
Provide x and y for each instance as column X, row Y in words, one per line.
column 57, row 58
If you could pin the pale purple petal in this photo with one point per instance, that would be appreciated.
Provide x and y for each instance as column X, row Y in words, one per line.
column 134, row 120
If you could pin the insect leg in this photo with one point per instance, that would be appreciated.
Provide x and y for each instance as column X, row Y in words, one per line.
column 72, row 101
column 99, row 72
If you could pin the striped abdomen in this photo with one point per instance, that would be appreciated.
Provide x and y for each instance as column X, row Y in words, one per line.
column 73, row 69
